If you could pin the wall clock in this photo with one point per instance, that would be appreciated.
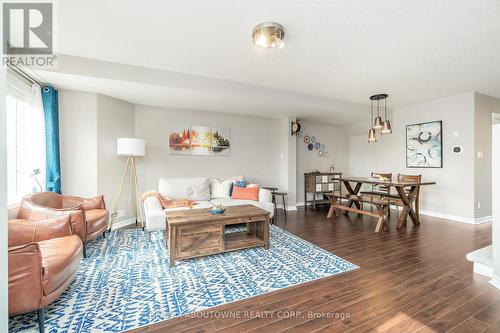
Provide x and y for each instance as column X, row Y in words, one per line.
column 295, row 127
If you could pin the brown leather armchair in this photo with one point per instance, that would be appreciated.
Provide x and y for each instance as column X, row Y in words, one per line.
column 43, row 259
column 89, row 217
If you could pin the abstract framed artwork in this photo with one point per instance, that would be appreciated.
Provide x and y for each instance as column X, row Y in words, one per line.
column 199, row 140
column 424, row 145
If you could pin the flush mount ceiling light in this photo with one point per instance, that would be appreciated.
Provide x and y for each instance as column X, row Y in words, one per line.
column 268, row 35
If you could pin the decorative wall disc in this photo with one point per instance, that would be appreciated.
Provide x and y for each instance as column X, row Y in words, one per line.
column 307, row 139
column 317, row 145
column 320, row 153
column 313, row 139
column 310, row 146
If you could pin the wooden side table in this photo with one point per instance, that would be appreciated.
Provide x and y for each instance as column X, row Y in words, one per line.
column 283, row 200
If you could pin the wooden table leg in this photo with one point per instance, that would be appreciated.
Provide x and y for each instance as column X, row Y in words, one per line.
column 352, row 192
column 266, row 233
column 331, row 211
column 381, row 218
column 407, row 206
column 386, row 217
column 171, row 246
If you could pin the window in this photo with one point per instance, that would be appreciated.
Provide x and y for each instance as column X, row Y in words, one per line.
column 25, row 139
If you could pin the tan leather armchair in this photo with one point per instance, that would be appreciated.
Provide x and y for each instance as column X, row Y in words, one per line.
column 89, row 217
column 96, row 215
column 43, row 259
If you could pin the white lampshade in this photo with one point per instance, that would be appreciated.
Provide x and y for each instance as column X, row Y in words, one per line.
column 130, row 147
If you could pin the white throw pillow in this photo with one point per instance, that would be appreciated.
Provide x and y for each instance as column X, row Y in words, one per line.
column 185, row 188
column 220, row 189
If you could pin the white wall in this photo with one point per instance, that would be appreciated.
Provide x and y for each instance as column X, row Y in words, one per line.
column 336, row 141
column 115, row 119
column 453, row 196
column 288, row 161
column 89, row 126
column 255, row 147
column 283, row 129
column 496, row 204
column 78, row 142
column 485, row 106
column 4, row 276
column 263, row 150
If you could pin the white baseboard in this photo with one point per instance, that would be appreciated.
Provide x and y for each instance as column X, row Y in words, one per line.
column 448, row 216
column 123, row 223
column 480, row 220
column 485, row 219
column 495, row 281
column 483, row 269
column 462, row 219
column 288, row 207
column 301, row 204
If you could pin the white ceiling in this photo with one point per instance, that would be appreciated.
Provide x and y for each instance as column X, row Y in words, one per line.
column 335, row 52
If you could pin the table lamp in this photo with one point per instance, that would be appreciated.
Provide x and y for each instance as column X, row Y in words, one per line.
column 130, row 148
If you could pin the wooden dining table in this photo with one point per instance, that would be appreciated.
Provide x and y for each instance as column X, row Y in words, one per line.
column 406, row 190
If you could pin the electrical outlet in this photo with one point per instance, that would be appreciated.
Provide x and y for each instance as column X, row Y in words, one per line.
column 118, row 213
column 479, row 205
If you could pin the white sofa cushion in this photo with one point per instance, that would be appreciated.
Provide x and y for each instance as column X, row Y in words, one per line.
column 199, row 205
column 234, row 202
column 155, row 217
column 220, row 189
column 185, row 188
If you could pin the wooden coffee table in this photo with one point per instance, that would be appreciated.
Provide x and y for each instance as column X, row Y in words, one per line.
column 197, row 232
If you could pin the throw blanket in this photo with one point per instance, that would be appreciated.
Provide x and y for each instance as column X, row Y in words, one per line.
column 168, row 203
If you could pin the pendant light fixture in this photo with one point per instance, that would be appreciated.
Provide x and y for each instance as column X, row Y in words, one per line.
column 386, row 126
column 383, row 125
column 371, row 133
column 377, row 125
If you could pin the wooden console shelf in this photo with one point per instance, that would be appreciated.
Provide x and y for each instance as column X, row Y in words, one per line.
column 241, row 240
column 320, row 183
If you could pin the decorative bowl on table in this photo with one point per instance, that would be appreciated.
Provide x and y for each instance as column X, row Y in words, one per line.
column 218, row 209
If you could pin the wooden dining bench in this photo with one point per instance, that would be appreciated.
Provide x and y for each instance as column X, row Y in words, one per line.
column 381, row 205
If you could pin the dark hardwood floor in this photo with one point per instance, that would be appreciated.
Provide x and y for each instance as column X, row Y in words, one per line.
column 411, row 280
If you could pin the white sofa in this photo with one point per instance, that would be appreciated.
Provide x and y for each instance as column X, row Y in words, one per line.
column 203, row 191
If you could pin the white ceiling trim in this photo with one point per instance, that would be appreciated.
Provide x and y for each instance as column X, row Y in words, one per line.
column 122, row 74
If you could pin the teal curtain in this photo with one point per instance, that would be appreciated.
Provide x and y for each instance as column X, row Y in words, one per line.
column 52, row 158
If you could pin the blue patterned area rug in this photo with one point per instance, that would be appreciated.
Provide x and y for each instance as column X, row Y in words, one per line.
column 126, row 281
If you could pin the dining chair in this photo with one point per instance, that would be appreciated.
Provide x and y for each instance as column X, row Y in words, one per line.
column 412, row 178
column 380, row 190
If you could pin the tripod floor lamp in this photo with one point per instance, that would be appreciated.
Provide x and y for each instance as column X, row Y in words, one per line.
column 130, row 148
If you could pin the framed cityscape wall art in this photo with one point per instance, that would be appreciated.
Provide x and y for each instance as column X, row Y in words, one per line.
column 424, row 145
column 199, row 140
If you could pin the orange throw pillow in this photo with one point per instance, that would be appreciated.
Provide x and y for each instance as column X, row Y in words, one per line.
column 246, row 193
